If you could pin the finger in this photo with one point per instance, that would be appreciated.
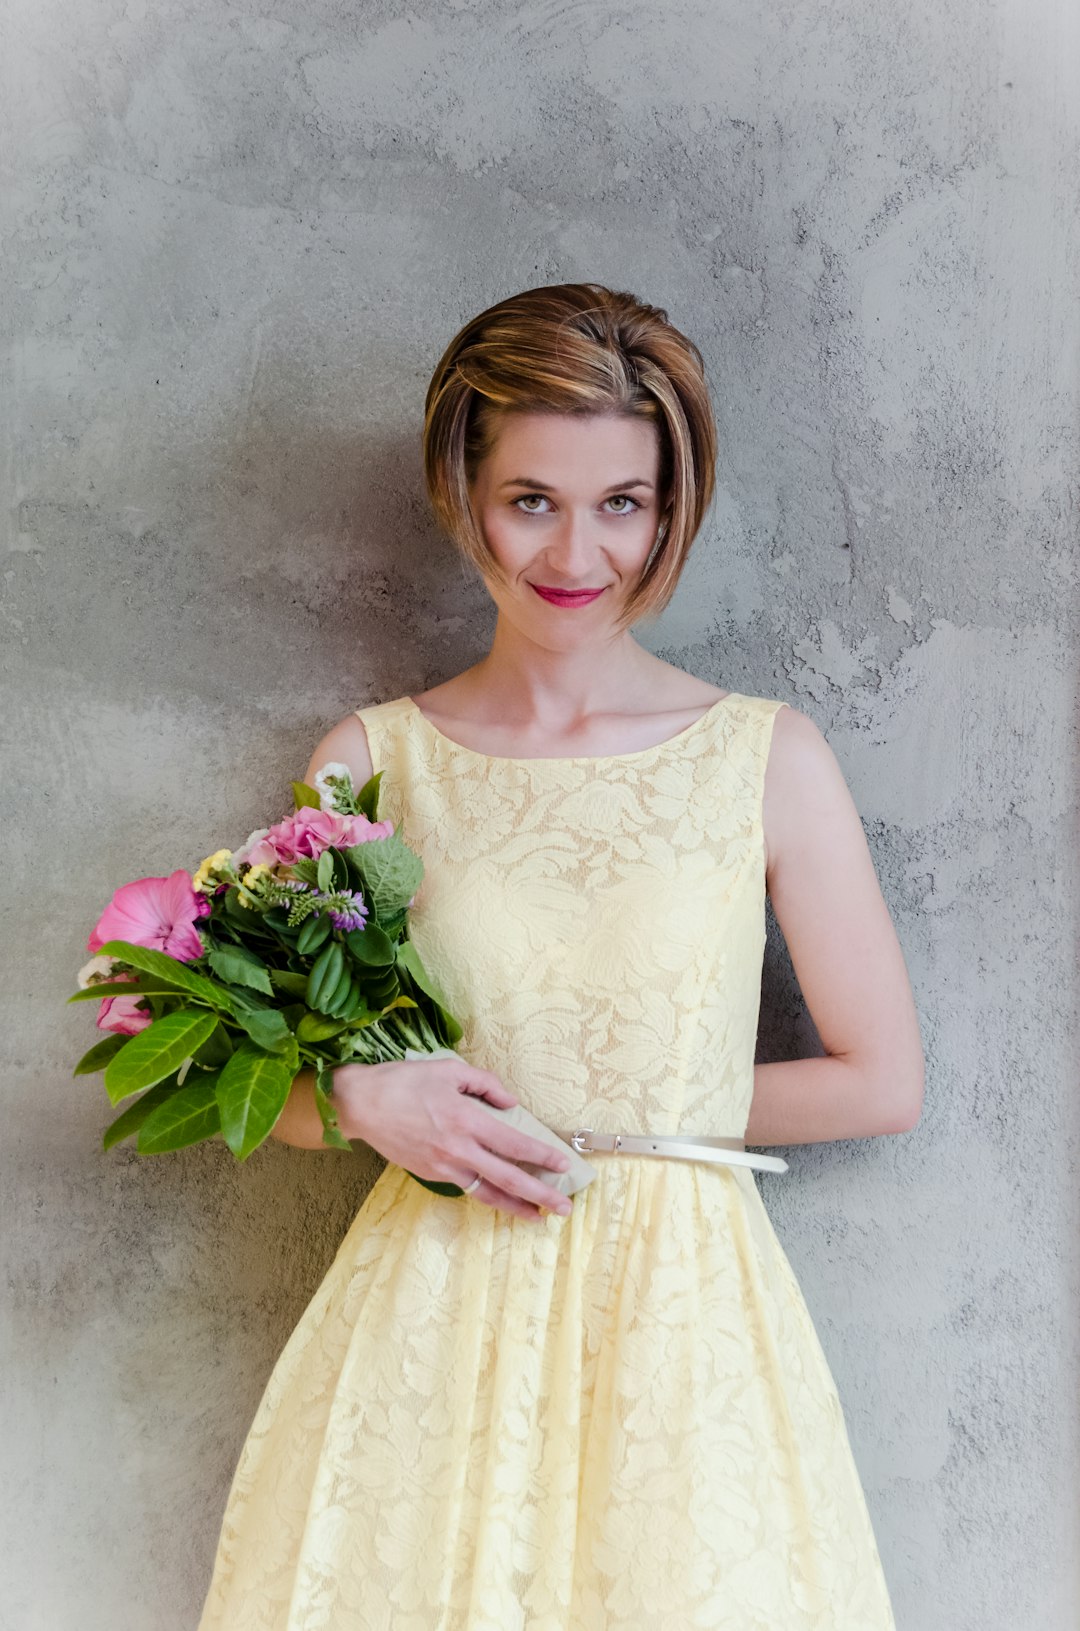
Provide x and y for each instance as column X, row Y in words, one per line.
column 484, row 1084
column 495, row 1197
column 515, row 1180
column 492, row 1195
column 515, row 1145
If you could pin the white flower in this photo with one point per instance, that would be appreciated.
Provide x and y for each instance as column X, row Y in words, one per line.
column 248, row 845
column 97, row 965
column 322, row 784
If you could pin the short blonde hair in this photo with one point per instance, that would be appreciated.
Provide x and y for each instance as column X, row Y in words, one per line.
column 574, row 348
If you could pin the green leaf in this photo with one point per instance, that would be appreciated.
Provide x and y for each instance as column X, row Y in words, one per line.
column 99, row 1055
column 332, row 1134
column 251, row 1094
column 305, row 796
column 187, row 1117
column 238, row 966
column 367, row 800
column 286, row 980
column 371, row 945
column 381, row 990
column 133, row 1117
column 266, row 1027
column 390, row 872
column 445, row 1025
column 410, row 960
column 242, row 916
column 306, row 870
column 169, row 969
column 443, row 1020
column 156, row 1051
column 145, row 987
column 216, row 1050
column 437, row 1188
column 324, row 873
column 393, row 923
column 318, row 1028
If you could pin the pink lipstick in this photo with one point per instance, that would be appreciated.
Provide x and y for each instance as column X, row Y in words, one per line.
column 567, row 597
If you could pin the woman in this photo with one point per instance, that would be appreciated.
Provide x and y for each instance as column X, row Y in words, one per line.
column 519, row 1409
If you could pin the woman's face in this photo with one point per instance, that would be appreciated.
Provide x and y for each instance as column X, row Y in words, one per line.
column 568, row 503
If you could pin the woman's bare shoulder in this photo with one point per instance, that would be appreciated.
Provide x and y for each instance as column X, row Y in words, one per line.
column 804, row 784
column 345, row 743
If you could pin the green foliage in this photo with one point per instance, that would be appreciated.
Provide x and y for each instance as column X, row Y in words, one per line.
column 295, row 983
column 187, row 1116
column 216, row 1050
column 313, row 934
column 242, row 916
column 436, row 1187
column 169, row 969
column 325, row 980
column 306, row 870
column 230, row 1031
column 156, row 1051
column 131, row 1119
column 144, row 987
column 382, row 987
column 371, row 945
column 236, row 965
column 390, row 874
column 99, row 1055
column 367, row 800
column 409, row 959
column 266, row 1027
column 305, row 797
column 251, row 1094
column 318, row 1027
column 332, row 1134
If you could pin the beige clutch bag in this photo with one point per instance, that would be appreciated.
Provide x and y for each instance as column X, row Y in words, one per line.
column 577, row 1175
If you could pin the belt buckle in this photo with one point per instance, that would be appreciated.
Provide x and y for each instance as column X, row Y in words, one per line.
column 587, row 1132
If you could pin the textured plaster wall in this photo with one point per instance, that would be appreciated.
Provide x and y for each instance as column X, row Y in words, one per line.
column 237, row 237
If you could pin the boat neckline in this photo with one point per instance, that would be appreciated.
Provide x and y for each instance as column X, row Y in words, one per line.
column 575, row 758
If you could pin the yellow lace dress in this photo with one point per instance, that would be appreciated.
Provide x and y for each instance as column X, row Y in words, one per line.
column 618, row 1421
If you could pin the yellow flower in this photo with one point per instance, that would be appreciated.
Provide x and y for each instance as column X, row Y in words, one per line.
column 249, row 889
column 203, row 878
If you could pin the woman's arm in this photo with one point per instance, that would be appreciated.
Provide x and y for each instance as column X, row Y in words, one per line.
column 825, row 893
column 346, row 743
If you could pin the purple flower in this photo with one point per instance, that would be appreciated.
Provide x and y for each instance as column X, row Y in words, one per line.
column 352, row 916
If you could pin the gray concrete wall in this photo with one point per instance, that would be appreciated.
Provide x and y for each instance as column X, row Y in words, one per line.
column 237, row 239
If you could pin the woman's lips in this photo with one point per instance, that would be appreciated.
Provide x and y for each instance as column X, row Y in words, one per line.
column 565, row 597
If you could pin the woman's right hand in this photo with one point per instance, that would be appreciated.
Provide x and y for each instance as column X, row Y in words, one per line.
column 419, row 1114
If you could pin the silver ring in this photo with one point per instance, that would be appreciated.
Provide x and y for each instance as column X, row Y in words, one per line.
column 477, row 1181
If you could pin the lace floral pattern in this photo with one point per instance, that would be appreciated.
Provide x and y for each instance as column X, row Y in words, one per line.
column 618, row 1421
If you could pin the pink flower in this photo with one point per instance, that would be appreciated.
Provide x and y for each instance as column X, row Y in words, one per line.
column 121, row 1014
column 307, row 833
column 157, row 912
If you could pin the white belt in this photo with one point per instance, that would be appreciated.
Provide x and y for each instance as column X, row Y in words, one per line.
column 732, row 1151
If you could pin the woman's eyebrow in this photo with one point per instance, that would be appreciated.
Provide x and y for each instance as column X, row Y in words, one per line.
column 542, row 487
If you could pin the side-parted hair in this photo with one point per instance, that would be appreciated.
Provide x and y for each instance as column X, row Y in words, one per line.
column 573, row 348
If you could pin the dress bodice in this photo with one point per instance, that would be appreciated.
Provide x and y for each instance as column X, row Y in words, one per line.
column 597, row 924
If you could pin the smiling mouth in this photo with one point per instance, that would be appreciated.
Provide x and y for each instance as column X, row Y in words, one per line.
column 567, row 594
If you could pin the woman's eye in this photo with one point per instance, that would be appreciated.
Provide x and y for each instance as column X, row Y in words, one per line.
column 627, row 504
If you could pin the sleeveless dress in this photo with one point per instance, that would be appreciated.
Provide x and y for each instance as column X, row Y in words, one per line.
column 621, row 1420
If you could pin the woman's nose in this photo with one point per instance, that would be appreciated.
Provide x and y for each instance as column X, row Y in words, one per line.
column 571, row 551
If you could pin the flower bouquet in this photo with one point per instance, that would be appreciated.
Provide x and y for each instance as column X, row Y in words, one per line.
column 293, row 951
